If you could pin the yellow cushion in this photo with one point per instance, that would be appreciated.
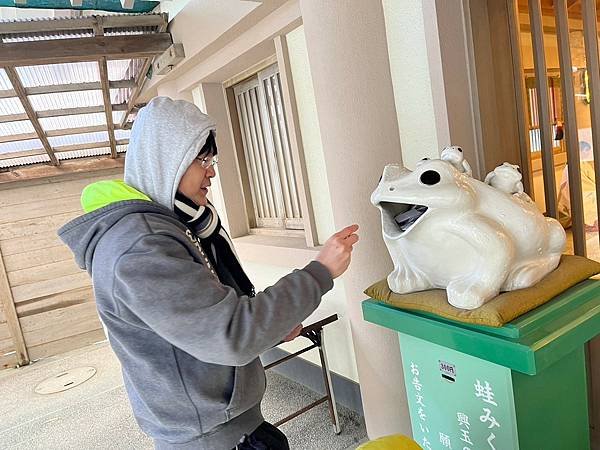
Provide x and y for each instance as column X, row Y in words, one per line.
column 501, row 309
column 394, row 442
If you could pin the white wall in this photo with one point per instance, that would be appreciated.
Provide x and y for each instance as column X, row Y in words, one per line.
column 411, row 79
column 311, row 134
column 337, row 335
column 207, row 74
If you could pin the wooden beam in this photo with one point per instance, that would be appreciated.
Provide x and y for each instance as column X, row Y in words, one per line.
column 87, row 49
column 18, row 137
column 74, row 166
column 10, row 313
column 141, row 79
column 520, row 96
column 107, row 106
column 98, row 26
column 570, row 118
column 75, row 147
column 61, row 149
column 140, row 84
column 13, row 118
column 62, row 112
column 74, row 87
column 590, row 34
column 7, row 93
column 53, row 133
column 21, row 154
column 83, row 23
column 76, row 130
column 543, row 101
column 14, row 79
column 76, row 111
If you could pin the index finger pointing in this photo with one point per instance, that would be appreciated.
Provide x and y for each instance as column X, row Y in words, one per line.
column 345, row 232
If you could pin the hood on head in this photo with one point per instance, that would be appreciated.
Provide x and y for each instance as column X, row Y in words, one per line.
column 166, row 137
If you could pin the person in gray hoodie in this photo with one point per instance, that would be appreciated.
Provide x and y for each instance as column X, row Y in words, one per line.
column 180, row 313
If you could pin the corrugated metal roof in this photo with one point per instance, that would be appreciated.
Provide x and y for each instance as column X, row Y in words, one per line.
column 20, row 127
column 120, row 95
column 80, row 120
column 20, row 146
column 75, row 139
column 43, row 158
column 53, row 74
column 118, row 116
column 68, row 73
column 73, row 27
column 44, row 102
column 117, row 69
column 8, row 38
column 10, row 106
column 24, row 161
column 122, row 134
column 4, row 81
column 89, row 152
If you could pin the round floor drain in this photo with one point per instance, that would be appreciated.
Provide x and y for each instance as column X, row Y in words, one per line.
column 65, row 380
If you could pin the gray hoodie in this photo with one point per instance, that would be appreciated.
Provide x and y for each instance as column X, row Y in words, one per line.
column 187, row 343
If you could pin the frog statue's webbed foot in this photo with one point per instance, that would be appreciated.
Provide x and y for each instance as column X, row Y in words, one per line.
column 403, row 280
column 466, row 293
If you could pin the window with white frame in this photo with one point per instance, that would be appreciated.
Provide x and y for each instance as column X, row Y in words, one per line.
column 272, row 175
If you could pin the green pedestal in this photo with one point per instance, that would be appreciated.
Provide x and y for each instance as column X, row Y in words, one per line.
column 522, row 386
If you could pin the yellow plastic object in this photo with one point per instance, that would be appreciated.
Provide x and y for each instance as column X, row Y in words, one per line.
column 393, row 442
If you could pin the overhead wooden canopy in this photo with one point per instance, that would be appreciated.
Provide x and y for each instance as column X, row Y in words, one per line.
column 83, row 49
column 28, row 45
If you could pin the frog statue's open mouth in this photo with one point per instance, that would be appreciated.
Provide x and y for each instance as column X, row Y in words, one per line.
column 399, row 218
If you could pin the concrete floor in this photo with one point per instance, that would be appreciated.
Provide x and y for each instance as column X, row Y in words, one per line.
column 97, row 415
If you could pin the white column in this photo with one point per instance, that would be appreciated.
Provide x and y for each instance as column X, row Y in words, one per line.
column 350, row 70
column 227, row 191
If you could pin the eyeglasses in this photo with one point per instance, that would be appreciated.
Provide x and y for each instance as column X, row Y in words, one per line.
column 208, row 161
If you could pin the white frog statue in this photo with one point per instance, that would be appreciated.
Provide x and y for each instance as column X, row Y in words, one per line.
column 455, row 156
column 506, row 177
column 444, row 229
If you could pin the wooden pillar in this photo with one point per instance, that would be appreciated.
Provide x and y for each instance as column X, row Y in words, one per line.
column 10, row 312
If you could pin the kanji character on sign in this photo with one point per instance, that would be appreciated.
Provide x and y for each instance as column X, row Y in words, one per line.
column 466, row 437
column 463, row 419
column 485, row 392
column 445, row 440
column 420, row 400
column 489, row 418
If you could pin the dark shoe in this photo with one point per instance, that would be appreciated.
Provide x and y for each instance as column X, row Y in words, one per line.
column 265, row 437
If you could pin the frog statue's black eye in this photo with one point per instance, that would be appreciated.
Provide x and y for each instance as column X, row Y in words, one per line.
column 430, row 177
column 459, row 149
column 425, row 159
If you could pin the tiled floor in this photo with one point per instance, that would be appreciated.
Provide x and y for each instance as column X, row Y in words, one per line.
column 96, row 414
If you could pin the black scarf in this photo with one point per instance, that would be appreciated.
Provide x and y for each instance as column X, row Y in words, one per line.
column 204, row 222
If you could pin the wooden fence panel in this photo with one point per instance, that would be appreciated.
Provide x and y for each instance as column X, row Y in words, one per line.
column 51, row 300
